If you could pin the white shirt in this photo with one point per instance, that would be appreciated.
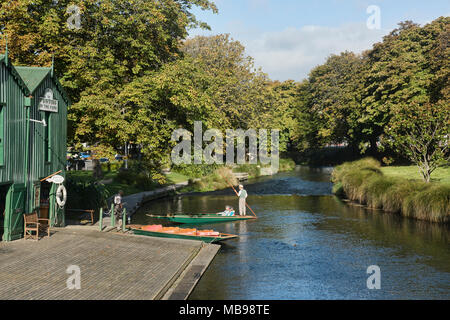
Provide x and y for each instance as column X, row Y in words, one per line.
column 245, row 195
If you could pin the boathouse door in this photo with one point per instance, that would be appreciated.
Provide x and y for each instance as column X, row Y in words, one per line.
column 3, row 192
column 15, row 207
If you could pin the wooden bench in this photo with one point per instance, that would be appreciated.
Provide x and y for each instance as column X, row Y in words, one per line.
column 34, row 225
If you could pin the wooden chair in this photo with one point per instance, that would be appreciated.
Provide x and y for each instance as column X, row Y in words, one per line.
column 33, row 225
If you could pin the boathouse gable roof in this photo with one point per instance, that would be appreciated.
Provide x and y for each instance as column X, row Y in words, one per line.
column 15, row 74
column 34, row 76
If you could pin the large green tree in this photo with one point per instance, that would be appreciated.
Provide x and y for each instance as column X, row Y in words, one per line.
column 330, row 103
column 116, row 39
column 115, row 42
column 407, row 92
column 236, row 86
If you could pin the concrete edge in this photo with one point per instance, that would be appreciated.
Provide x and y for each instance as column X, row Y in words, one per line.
column 177, row 274
column 188, row 279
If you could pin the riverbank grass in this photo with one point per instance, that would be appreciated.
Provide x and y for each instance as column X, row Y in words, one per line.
column 441, row 175
column 217, row 180
column 366, row 182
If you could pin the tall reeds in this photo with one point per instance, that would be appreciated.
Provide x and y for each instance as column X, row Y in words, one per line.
column 362, row 181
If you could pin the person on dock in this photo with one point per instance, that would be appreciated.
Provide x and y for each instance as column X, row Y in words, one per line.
column 118, row 209
column 242, row 196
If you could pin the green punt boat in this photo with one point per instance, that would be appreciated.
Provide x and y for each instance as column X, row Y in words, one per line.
column 201, row 218
column 137, row 229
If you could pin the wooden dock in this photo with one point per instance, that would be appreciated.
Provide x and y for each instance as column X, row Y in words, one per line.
column 112, row 266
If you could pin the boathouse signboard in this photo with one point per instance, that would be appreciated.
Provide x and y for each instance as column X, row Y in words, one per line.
column 47, row 103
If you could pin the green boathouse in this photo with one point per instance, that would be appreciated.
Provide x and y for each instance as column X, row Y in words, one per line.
column 33, row 134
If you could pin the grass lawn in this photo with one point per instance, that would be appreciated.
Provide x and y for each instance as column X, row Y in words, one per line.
column 174, row 177
column 441, row 175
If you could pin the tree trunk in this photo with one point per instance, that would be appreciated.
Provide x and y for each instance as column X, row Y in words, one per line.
column 425, row 171
column 373, row 146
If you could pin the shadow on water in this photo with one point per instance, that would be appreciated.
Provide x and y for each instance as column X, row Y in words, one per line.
column 307, row 244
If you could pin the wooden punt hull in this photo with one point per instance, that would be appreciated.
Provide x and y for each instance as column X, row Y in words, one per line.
column 208, row 239
column 202, row 218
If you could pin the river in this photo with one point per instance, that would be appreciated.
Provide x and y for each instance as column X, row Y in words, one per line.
column 307, row 244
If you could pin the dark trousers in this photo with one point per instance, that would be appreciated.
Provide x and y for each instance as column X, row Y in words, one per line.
column 117, row 213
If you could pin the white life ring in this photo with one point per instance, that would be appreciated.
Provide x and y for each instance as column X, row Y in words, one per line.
column 61, row 195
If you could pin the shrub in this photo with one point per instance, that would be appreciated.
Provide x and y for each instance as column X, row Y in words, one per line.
column 126, row 177
column 85, row 195
column 216, row 181
column 113, row 166
column 253, row 170
column 431, row 204
column 142, row 181
column 287, row 165
column 196, row 170
column 396, row 195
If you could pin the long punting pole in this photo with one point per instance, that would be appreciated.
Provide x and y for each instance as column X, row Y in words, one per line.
column 238, row 195
column 53, row 174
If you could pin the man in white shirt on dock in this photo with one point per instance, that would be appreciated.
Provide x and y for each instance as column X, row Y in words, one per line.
column 118, row 209
column 242, row 196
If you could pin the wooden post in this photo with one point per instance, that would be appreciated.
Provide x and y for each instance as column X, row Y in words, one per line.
column 113, row 218
column 124, row 219
column 100, row 219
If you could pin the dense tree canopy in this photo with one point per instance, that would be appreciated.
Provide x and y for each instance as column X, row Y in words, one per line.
column 134, row 77
column 116, row 40
column 396, row 95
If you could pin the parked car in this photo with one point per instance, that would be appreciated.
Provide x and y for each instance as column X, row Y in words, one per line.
column 85, row 155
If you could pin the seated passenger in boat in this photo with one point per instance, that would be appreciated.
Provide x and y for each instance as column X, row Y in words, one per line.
column 229, row 212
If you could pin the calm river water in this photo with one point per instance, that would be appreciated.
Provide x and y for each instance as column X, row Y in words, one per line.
column 307, row 244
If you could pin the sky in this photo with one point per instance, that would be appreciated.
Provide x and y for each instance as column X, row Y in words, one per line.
column 287, row 38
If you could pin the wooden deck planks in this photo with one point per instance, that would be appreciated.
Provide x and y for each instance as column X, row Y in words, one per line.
column 113, row 266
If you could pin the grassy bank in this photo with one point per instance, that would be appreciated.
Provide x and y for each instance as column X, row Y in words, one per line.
column 212, row 180
column 364, row 181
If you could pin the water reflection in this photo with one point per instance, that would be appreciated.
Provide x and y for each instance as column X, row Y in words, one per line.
column 315, row 246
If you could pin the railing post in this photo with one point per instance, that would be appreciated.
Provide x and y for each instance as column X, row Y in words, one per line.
column 124, row 218
column 113, row 218
column 100, row 219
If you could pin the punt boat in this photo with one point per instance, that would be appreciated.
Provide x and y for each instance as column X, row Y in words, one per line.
column 201, row 218
column 208, row 236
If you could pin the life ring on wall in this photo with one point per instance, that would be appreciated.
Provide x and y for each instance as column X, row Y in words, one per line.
column 61, row 195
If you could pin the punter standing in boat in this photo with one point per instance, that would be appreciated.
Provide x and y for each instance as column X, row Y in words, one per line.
column 242, row 196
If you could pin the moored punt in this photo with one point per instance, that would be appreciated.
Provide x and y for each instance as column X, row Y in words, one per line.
column 201, row 218
column 207, row 236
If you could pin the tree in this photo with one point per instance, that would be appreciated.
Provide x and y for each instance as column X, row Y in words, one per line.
column 159, row 102
column 419, row 124
column 307, row 123
column 332, row 101
column 422, row 133
column 395, row 94
column 236, row 83
column 118, row 41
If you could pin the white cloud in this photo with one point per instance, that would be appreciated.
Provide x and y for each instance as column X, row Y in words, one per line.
column 293, row 52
